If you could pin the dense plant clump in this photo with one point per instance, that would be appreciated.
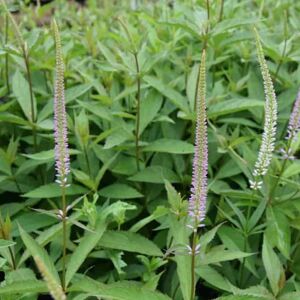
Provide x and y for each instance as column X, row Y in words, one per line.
column 146, row 151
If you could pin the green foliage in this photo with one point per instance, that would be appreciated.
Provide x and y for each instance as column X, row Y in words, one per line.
column 125, row 226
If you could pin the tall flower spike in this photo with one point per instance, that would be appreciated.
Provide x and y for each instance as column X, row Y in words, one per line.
column 197, row 201
column 54, row 288
column 294, row 123
column 62, row 157
column 20, row 40
column 268, row 138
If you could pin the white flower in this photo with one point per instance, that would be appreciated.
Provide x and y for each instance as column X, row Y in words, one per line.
column 268, row 138
column 255, row 185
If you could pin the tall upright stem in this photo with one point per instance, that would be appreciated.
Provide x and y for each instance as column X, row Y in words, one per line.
column 221, row 11
column 138, row 94
column 13, row 260
column 64, row 242
column 246, row 236
column 285, row 29
column 193, row 265
column 6, row 55
column 27, row 65
column 208, row 10
column 138, row 109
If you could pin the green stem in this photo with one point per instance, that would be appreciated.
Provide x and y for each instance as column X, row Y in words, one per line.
column 277, row 180
column 281, row 172
column 27, row 65
column 6, row 55
column 17, row 185
column 246, row 236
column 221, row 11
column 138, row 111
column 13, row 260
column 193, row 266
column 64, row 242
column 284, row 47
column 87, row 160
column 138, row 94
column 208, row 11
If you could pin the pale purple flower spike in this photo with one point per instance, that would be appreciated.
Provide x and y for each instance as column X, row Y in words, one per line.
column 197, row 201
column 62, row 157
column 294, row 123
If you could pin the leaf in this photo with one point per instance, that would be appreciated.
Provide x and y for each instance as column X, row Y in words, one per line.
column 50, row 234
column 23, row 287
column 53, row 190
column 206, row 238
column 149, row 109
column 48, row 154
column 122, row 290
column 290, row 296
column 128, row 290
column 155, row 174
column 176, row 98
column 129, row 241
column 6, row 243
column 180, row 235
column 21, row 91
column 228, row 169
column 240, row 298
column 256, row 215
column 219, row 254
column 36, row 250
column 278, row 230
column 292, row 169
column 254, row 291
column 213, row 277
column 234, row 240
column 97, row 109
column 31, row 221
column 120, row 191
column 21, row 274
column 272, row 265
column 160, row 211
column 170, row 146
column 86, row 245
column 232, row 105
column 174, row 197
column 76, row 91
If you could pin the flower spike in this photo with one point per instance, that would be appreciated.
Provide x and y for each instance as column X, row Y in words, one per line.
column 294, row 122
column 268, row 138
column 62, row 157
column 197, row 201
